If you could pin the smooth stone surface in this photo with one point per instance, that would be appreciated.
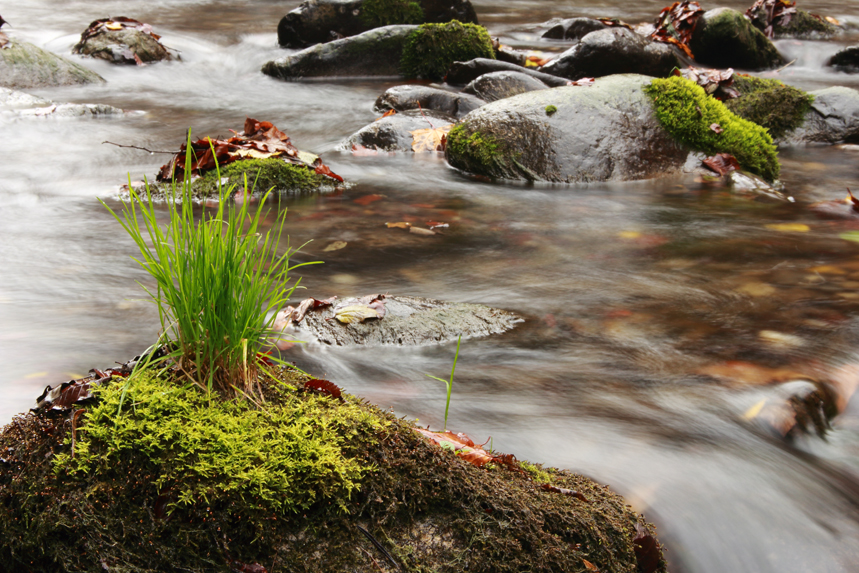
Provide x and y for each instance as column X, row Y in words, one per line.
column 415, row 96
column 462, row 73
column 832, row 119
column 724, row 38
column 499, row 85
column 393, row 133
column 573, row 29
column 25, row 66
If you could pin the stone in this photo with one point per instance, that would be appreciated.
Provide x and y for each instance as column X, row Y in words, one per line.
column 133, row 44
column 846, row 60
column 499, row 85
column 832, row 119
column 462, row 73
column 393, row 133
column 724, row 38
column 413, row 96
column 573, row 29
column 25, row 66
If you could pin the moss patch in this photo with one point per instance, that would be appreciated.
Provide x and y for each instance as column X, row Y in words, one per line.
column 804, row 25
column 475, row 152
column 389, row 12
column 550, row 109
column 770, row 103
column 686, row 111
column 430, row 50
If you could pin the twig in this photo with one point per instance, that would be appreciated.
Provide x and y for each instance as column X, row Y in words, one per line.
column 784, row 66
column 425, row 117
column 379, row 546
column 136, row 147
column 373, row 559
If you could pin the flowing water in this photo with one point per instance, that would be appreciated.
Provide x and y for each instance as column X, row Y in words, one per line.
column 627, row 289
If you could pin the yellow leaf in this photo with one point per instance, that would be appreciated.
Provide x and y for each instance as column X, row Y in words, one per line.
column 430, row 139
column 629, row 234
column 753, row 412
column 113, row 26
column 355, row 313
column 36, row 375
column 399, row 225
column 335, row 246
column 254, row 153
column 789, row 227
column 828, row 270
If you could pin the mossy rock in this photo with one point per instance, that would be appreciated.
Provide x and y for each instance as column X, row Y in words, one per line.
column 802, row 25
column 481, row 153
column 388, row 12
column 121, row 47
column 686, row 111
column 430, row 50
column 770, row 103
column 302, row 482
column 25, row 66
column 725, row 38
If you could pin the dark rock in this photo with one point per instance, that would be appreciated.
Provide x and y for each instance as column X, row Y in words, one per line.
column 603, row 132
column 846, row 60
column 373, row 53
column 614, row 51
column 832, row 119
column 778, row 107
column 802, row 25
column 406, row 97
column 393, row 133
column 318, row 21
column 508, row 54
column 431, row 50
column 724, row 38
column 25, row 66
column 129, row 45
column 500, row 85
column 573, row 29
column 462, row 73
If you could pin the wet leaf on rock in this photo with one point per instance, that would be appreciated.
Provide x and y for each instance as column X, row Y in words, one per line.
column 769, row 14
column 717, row 83
column 388, row 113
column 354, row 310
column 582, row 82
column 430, row 139
column 722, row 163
column 398, row 225
column 565, row 491
column 614, row 23
column 647, row 551
column 335, row 246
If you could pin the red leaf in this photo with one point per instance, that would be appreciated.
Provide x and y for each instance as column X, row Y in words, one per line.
column 367, row 199
column 647, row 551
column 324, row 387
column 723, row 163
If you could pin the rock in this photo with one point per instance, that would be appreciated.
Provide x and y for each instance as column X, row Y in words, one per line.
column 21, row 104
column 318, row 21
column 121, row 41
column 373, row 53
column 401, row 98
column 802, row 25
column 832, row 119
column 393, row 133
column 462, row 73
column 410, row 321
column 25, row 66
column 724, row 38
column 499, row 85
column 846, row 60
column 573, row 29
column 769, row 103
column 433, row 48
column 603, row 132
column 614, row 51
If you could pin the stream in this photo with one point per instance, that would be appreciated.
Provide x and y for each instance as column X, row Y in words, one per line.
column 627, row 289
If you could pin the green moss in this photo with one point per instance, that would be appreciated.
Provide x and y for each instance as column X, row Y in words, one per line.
column 537, row 473
column 804, row 25
column 389, row 12
column 770, row 103
column 288, row 457
column 550, row 109
column 474, row 151
column 686, row 111
column 430, row 50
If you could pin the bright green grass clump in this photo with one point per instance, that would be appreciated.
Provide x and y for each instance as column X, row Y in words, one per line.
column 431, row 49
column 778, row 107
column 286, row 456
column 686, row 111
column 388, row 12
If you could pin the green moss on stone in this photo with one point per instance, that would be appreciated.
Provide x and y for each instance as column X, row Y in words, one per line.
column 770, row 103
column 475, row 152
column 550, row 109
column 431, row 49
column 804, row 25
column 389, row 12
column 686, row 111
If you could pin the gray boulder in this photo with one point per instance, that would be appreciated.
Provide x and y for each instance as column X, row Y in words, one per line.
column 614, row 51
column 20, row 104
column 462, row 73
column 573, row 29
column 802, row 25
column 603, row 132
column 832, row 119
column 724, row 38
column 373, row 53
column 393, row 133
column 25, row 66
column 846, row 60
column 131, row 45
column 500, row 85
column 405, row 97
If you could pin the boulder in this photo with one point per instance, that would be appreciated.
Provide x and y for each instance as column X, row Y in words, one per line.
column 373, row 53
column 832, row 119
column 433, row 48
column 461, row 73
column 614, row 51
column 393, row 133
column 121, row 41
column 573, row 29
column 318, row 21
column 604, row 132
column 846, row 60
column 401, row 98
column 725, row 38
column 25, row 66
column 776, row 106
column 802, row 25
column 499, row 85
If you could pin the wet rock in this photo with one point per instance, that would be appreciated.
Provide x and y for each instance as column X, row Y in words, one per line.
column 499, row 85
column 409, row 321
column 25, row 66
column 832, row 119
column 430, row 50
column 846, row 60
column 318, row 21
column 373, row 53
column 724, row 38
column 802, row 25
column 121, row 41
column 614, row 51
column 401, row 98
column 778, row 107
column 393, row 133
column 561, row 135
column 20, row 104
column 462, row 73
column 573, row 29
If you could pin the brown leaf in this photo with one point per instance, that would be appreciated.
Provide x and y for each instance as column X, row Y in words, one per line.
column 647, row 551
column 716, row 127
column 570, row 492
column 388, row 113
column 462, row 446
column 324, row 387
column 367, row 199
column 853, row 201
column 722, row 163
column 398, row 225
column 430, row 139
column 422, row 231
column 582, row 82
column 590, row 566
column 766, row 15
column 675, row 24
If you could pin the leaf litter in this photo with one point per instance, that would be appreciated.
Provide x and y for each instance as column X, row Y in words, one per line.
column 675, row 24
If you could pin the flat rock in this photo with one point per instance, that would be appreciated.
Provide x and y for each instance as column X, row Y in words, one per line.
column 25, row 66
column 499, row 85
column 462, row 73
column 832, row 119
column 393, row 133
column 413, row 96
column 724, row 38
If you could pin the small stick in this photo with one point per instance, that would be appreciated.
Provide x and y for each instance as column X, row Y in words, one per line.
column 379, row 546
column 784, row 66
column 373, row 559
column 75, row 417
column 136, row 147
column 425, row 117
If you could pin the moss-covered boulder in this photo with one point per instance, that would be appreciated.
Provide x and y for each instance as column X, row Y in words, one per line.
column 25, row 66
column 704, row 124
column 802, row 25
column 418, row 97
column 725, row 38
column 604, row 132
column 302, row 482
column 778, row 107
column 431, row 49
column 319, row 21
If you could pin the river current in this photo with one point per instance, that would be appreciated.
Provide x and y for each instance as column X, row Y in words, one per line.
column 628, row 290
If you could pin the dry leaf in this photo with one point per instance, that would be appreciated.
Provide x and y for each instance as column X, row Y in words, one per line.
column 399, row 225
column 716, row 127
column 388, row 113
column 421, row 231
column 722, row 163
column 789, row 227
column 590, row 566
column 335, row 246
column 430, row 139
column 355, row 313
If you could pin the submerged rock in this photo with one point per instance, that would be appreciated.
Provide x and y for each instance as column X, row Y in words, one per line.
column 832, row 119
column 573, row 29
column 412, row 96
column 725, row 38
column 499, row 85
column 21, row 104
column 393, row 133
column 25, row 66
column 846, row 60
column 614, row 51
column 462, row 73
column 121, row 41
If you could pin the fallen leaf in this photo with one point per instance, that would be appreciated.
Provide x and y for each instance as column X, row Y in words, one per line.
column 716, row 127
column 832, row 20
column 460, row 444
column 675, row 24
column 399, row 225
column 335, row 246
column 789, row 227
column 766, row 15
column 647, row 552
column 367, row 199
column 361, row 151
column 422, row 231
column 324, row 387
column 582, row 82
column 564, row 491
column 388, row 113
column 430, row 139
column 590, row 566
column 355, row 313
column 718, row 83
column 753, row 412
column 722, row 163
